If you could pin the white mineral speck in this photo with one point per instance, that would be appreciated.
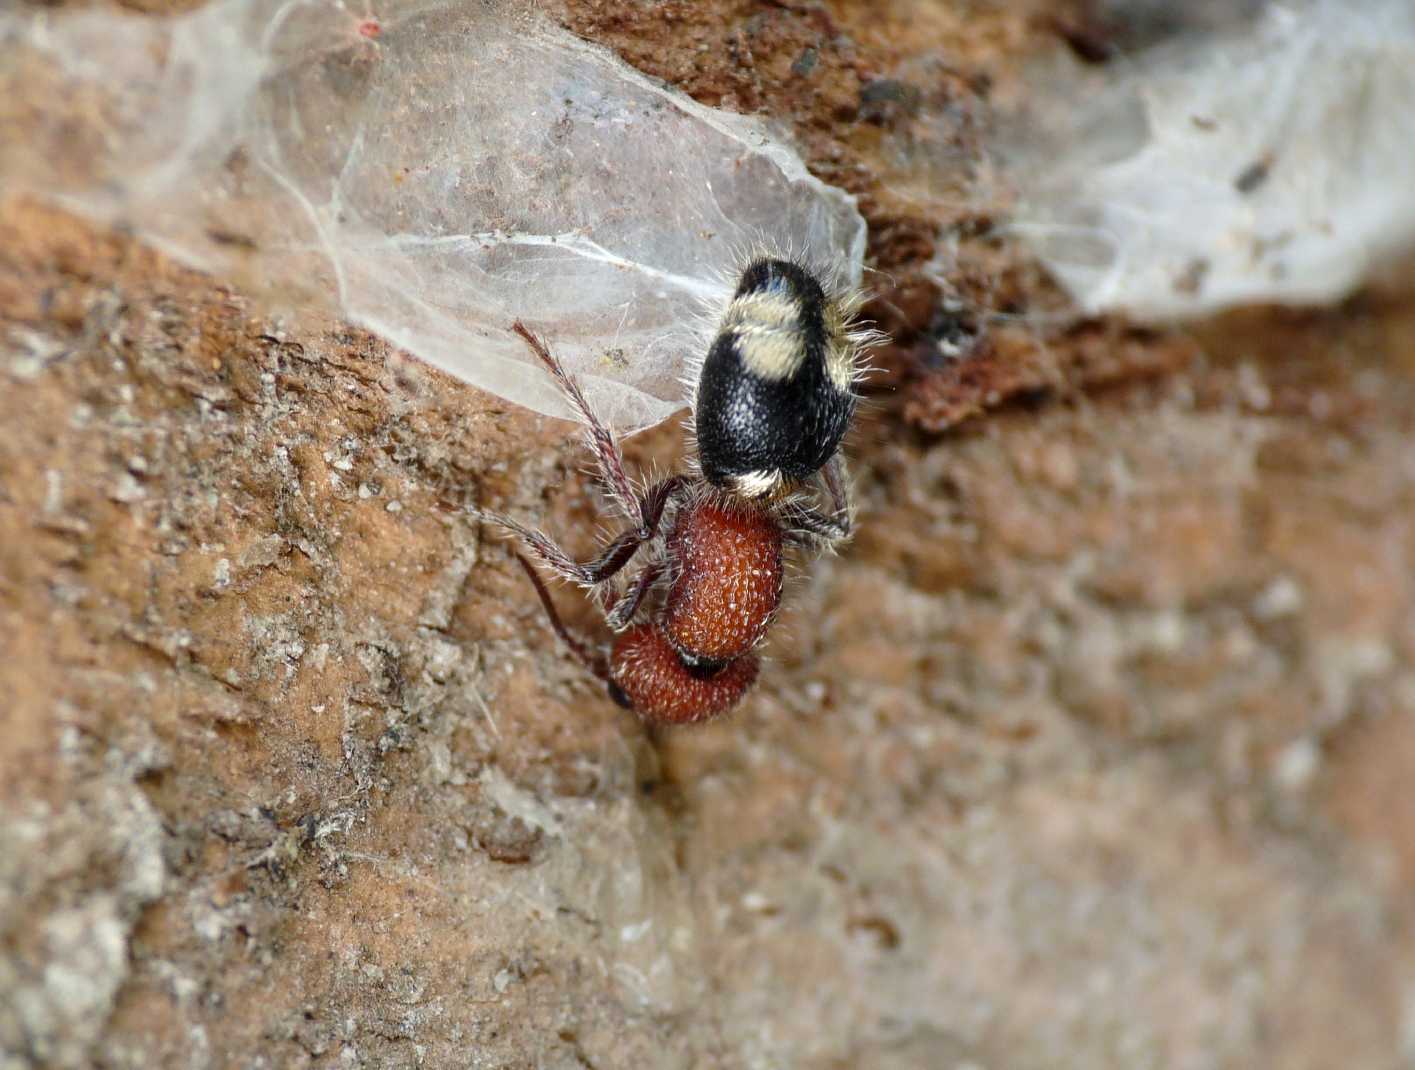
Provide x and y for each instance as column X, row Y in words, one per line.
column 1297, row 764
column 1281, row 598
column 126, row 490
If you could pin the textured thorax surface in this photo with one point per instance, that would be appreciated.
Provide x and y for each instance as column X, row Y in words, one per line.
column 727, row 564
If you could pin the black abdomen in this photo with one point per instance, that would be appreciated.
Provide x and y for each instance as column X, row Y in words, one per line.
column 774, row 398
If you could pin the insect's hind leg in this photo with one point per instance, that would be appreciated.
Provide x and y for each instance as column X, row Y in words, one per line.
column 808, row 525
column 607, row 456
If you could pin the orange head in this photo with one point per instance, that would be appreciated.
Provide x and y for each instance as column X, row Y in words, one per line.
column 648, row 676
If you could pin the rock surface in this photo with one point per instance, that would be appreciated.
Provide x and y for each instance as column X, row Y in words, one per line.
column 1090, row 750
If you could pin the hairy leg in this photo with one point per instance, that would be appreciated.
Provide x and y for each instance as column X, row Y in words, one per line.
column 619, row 611
column 645, row 508
column 606, row 450
column 805, row 524
column 596, row 662
column 614, row 556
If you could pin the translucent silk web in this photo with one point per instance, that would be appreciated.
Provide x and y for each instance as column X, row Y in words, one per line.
column 434, row 174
